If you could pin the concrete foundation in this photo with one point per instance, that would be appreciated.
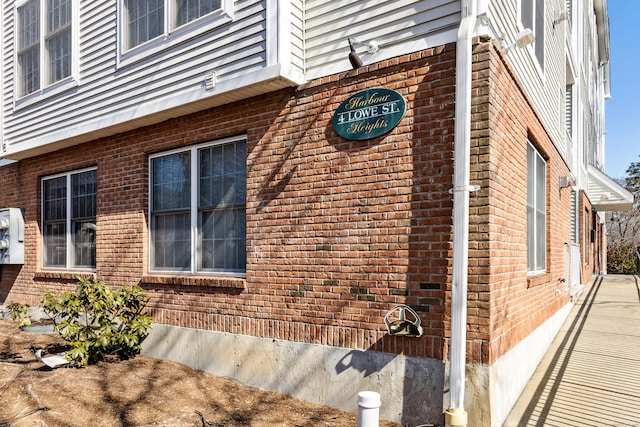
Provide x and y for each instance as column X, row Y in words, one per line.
column 410, row 388
column 491, row 391
column 413, row 390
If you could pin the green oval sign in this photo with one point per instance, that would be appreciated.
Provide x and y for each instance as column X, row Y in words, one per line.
column 369, row 114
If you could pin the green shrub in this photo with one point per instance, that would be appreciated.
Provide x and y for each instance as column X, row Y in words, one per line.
column 20, row 313
column 96, row 320
column 621, row 258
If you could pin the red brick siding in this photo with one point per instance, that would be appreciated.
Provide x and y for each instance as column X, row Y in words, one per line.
column 505, row 304
column 587, row 222
column 338, row 231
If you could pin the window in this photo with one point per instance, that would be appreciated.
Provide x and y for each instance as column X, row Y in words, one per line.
column 197, row 204
column 44, row 48
column 536, row 211
column 587, row 235
column 144, row 20
column 189, row 10
column 532, row 16
column 69, row 220
column 574, row 217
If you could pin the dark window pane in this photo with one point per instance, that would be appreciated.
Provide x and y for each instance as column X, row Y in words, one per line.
column 145, row 21
column 171, row 236
column 84, row 195
column 59, row 53
column 54, row 194
column 29, row 62
column 171, row 179
column 84, row 244
column 55, row 199
column 29, row 22
column 536, row 210
column 58, row 14
column 55, row 245
column 221, row 224
column 189, row 10
column 222, row 201
column 223, row 235
column 82, row 191
column 223, row 174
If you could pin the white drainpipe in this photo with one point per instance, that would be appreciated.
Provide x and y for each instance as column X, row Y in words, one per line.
column 456, row 414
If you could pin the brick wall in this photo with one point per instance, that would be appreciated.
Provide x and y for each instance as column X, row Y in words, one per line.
column 588, row 221
column 338, row 231
column 506, row 304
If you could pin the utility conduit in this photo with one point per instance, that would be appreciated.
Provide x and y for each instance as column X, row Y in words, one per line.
column 456, row 414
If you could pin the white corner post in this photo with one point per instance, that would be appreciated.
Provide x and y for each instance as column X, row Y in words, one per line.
column 456, row 415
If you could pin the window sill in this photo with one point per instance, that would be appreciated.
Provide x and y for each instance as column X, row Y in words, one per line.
column 202, row 281
column 176, row 36
column 63, row 275
column 48, row 92
column 537, row 279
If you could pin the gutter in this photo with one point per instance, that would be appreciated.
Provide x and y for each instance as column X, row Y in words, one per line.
column 600, row 9
column 456, row 414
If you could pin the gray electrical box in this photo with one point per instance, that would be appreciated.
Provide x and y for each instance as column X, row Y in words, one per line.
column 11, row 236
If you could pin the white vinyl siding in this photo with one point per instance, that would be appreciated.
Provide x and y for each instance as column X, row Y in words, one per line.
column 253, row 47
column 145, row 20
column 540, row 67
column 568, row 109
column 111, row 98
column 297, row 34
column 330, row 24
column 150, row 27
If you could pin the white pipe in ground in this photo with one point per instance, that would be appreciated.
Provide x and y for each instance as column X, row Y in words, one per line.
column 369, row 409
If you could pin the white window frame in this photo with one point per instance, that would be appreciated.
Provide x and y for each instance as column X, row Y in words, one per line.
column 70, row 253
column 538, row 29
column 539, row 166
column 46, row 89
column 171, row 36
column 587, row 235
column 195, row 232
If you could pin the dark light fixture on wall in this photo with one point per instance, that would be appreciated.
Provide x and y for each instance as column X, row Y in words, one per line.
column 354, row 58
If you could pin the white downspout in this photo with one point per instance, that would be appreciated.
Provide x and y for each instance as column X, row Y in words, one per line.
column 456, row 414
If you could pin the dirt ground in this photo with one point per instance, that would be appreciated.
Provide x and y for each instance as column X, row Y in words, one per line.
column 137, row 392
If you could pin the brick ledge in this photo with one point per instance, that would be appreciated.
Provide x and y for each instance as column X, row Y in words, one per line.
column 538, row 279
column 209, row 282
column 63, row 275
